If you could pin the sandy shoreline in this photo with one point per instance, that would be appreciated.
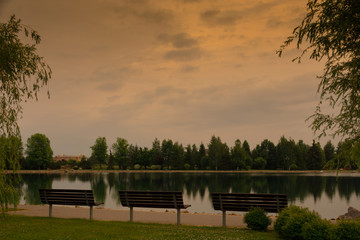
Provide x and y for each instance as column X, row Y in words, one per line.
column 103, row 214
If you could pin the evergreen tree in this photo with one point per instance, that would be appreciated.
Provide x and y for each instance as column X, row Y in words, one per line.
column 203, row 158
column 268, row 152
column 188, row 158
column 246, row 146
column 286, row 153
column 156, row 158
column 178, row 156
column 329, row 151
column 238, row 156
column 167, row 152
column 302, row 155
column 248, row 158
column 316, row 157
column 195, row 157
column 218, row 154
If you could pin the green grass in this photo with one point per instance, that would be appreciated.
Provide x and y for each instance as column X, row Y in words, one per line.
column 22, row 227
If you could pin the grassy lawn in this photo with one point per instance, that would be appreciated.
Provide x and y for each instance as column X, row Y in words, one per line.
column 22, row 227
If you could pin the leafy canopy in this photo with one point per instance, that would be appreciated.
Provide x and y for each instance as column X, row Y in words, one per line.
column 331, row 31
column 22, row 73
column 38, row 151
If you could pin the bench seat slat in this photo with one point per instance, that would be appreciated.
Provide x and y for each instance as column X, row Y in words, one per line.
column 68, row 197
column 244, row 201
column 152, row 199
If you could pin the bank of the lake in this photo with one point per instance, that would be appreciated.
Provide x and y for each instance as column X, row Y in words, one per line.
column 324, row 192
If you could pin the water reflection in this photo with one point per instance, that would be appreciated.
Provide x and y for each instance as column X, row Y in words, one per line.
column 302, row 189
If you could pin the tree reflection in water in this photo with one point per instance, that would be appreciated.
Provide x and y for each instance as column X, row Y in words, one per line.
column 298, row 187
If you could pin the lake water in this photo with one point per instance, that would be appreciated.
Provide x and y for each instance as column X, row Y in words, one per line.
column 324, row 193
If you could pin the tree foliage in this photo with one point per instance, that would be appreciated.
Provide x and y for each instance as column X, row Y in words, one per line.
column 22, row 73
column 121, row 152
column 331, row 31
column 99, row 151
column 39, row 154
column 316, row 158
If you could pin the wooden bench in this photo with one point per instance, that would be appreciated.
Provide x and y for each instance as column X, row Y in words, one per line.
column 152, row 199
column 68, row 197
column 243, row 202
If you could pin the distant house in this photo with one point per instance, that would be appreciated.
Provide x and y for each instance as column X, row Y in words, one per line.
column 68, row 157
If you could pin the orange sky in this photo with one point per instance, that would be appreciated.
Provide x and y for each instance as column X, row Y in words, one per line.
column 172, row 69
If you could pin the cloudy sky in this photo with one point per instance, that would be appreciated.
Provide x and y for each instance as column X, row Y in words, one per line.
column 169, row 69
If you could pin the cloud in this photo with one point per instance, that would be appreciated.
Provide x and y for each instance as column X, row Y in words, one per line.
column 158, row 16
column 184, row 55
column 180, row 40
column 110, row 80
column 188, row 69
column 274, row 23
column 145, row 13
column 109, row 87
column 185, row 48
column 230, row 17
column 218, row 17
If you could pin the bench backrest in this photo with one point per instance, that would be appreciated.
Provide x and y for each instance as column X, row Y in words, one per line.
column 152, row 199
column 67, row 197
column 244, row 201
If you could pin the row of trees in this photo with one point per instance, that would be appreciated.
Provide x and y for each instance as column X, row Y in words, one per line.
column 216, row 155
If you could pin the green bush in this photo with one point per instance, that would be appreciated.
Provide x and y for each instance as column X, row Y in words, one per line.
column 317, row 229
column 155, row 167
column 347, row 230
column 293, row 167
column 291, row 220
column 256, row 219
column 137, row 166
column 259, row 163
column 187, row 166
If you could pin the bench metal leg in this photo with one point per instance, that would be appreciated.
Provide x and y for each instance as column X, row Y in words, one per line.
column 131, row 214
column 50, row 210
column 178, row 216
column 91, row 212
column 224, row 218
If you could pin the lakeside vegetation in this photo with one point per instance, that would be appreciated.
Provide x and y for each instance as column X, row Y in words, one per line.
column 216, row 155
column 22, row 227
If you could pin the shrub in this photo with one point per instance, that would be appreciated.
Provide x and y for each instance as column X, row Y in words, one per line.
column 256, row 219
column 137, row 166
column 317, row 229
column 347, row 230
column 291, row 220
column 187, row 166
column 293, row 167
column 259, row 163
column 55, row 165
column 155, row 167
